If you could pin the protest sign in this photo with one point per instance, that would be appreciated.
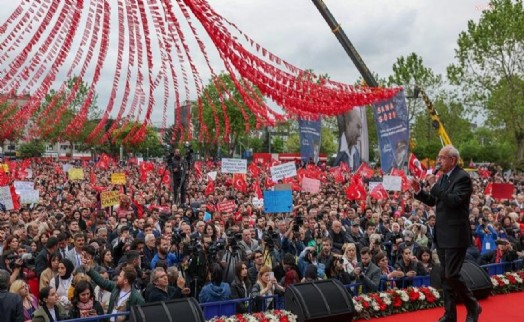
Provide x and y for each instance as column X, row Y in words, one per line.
column 310, row 185
column 5, row 198
column 29, row 173
column 392, row 183
column 76, row 174
column 5, row 166
column 29, row 196
column 118, row 178
column 211, row 176
column 278, row 201
column 281, row 171
column 23, row 185
column 66, row 167
column 502, row 190
column 227, row 206
column 234, row 165
column 373, row 184
column 257, row 203
column 109, row 198
column 282, row 186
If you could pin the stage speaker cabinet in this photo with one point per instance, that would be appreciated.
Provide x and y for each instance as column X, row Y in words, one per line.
column 183, row 310
column 476, row 278
column 320, row 301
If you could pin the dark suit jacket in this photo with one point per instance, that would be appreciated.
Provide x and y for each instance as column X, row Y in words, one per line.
column 11, row 306
column 451, row 199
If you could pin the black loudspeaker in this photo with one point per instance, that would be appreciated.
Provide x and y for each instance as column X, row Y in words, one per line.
column 319, row 301
column 183, row 310
column 476, row 278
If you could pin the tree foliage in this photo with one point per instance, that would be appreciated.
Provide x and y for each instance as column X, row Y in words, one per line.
column 490, row 67
column 34, row 148
column 218, row 94
column 410, row 71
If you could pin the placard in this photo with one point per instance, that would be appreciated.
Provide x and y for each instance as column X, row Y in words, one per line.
column 66, row 167
column 23, row 185
column 285, row 170
column 502, row 190
column 6, row 167
column 234, row 165
column 310, row 185
column 257, row 203
column 211, row 176
column 282, row 186
column 373, row 184
column 118, row 178
column 29, row 196
column 227, row 206
column 29, row 173
column 5, row 198
column 76, row 174
column 392, row 183
column 278, row 201
column 109, row 198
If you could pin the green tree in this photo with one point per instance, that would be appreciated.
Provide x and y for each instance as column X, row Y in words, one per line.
column 33, row 148
column 489, row 67
column 222, row 92
column 408, row 72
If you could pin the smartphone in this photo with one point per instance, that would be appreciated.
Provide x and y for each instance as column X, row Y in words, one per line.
column 271, row 276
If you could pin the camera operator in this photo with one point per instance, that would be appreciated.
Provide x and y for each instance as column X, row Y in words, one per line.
column 271, row 253
column 13, row 264
column 291, row 242
column 179, row 169
column 234, row 254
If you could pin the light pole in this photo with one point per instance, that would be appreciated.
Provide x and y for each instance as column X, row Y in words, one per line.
column 147, row 153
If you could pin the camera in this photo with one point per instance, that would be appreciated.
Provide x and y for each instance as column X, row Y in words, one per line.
column 299, row 221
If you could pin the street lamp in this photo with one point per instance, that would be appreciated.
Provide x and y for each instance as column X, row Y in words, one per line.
column 147, row 153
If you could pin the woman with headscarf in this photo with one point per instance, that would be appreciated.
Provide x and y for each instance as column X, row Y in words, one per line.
column 62, row 282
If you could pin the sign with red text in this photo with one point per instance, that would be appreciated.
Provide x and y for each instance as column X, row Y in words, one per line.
column 227, row 206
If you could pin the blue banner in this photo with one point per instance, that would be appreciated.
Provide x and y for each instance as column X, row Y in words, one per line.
column 391, row 119
column 309, row 139
column 278, row 201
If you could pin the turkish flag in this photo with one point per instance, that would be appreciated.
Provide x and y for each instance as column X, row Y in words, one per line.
column 269, row 183
column 344, row 167
column 256, row 188
column 379, row 192
column 4, row 179
column 356, row 189
column 417, row 169
column 239, row 183
column 92, row 178
column 210, row 188
column 489, row 189
column 254, row 170
column 15, row 197
column 365, row 171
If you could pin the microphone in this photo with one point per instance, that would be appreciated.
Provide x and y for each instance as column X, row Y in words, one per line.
column 437, row 168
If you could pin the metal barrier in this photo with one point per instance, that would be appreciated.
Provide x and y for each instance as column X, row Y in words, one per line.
column 99, row 318
column 249, row 305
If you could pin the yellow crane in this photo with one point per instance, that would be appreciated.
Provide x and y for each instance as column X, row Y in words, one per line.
column 436, row 122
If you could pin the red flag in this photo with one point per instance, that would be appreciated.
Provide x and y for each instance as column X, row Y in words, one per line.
column 210, row 188
column 92, row 178
column 489, row 189
column 378, row 192
column 269, row 183
column 4, row 179
column 344, row 167
column 356, row 189
column 256, row 188
column 15, row 197
column 254, row 170
column 417, row 169
column 365, row 171
column 239, row 183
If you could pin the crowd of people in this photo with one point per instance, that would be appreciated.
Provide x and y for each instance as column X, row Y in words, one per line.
column 65, row 256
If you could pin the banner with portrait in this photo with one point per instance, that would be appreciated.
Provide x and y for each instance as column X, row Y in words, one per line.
column 391, row 119
column 310, row 139
column 353, row 141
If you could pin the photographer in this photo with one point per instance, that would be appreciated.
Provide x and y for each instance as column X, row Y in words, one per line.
column 291, row 242
column 233, row 255
column 13, row 264
column 271, row 253
column 178, row 167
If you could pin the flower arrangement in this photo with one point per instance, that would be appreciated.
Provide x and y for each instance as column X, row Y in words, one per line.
column 268, row 316
column 394, row 301
column 508, row 282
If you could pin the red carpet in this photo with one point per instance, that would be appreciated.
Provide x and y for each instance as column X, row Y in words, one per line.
column 497, row 308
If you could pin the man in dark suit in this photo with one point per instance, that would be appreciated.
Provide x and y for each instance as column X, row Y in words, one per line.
column 10, row 303
column 451, row 196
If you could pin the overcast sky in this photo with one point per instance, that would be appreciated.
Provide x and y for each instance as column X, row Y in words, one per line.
column 381, row 31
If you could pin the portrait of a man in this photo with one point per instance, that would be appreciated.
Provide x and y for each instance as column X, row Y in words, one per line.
column 350, row 130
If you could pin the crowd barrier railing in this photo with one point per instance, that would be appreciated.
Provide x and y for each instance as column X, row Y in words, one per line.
column 249, row 305
column 99, row 318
